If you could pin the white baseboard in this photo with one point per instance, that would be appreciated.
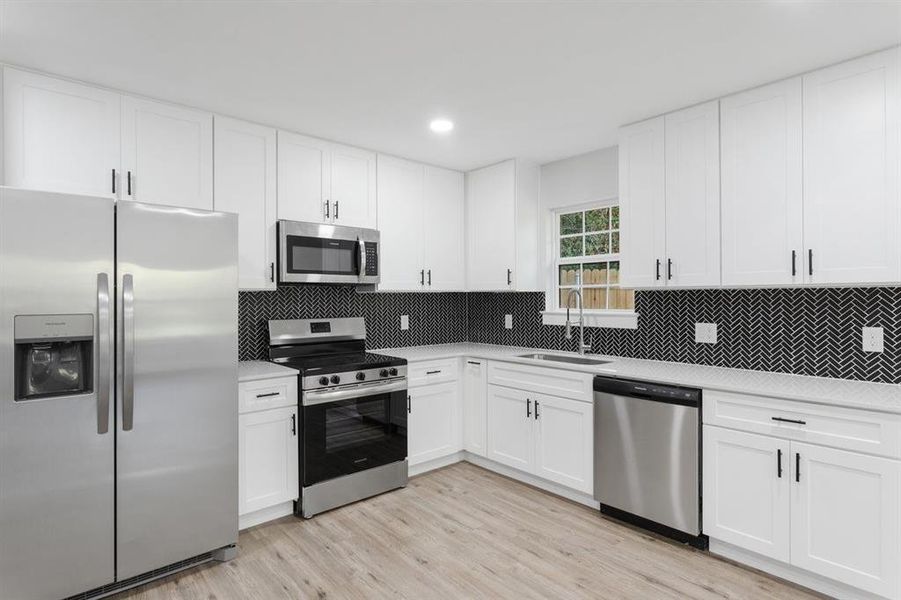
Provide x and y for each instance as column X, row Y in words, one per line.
column 265, row 514
column 435, row 463
column 785, row 571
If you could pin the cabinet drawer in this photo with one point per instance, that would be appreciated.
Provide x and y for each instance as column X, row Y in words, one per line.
column 432, row 371
column 555, row 382
column 847, row 428
column 267, row 393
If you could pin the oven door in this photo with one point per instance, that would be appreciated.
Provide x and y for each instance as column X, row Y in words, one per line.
column 317, row 253
column 351, row 429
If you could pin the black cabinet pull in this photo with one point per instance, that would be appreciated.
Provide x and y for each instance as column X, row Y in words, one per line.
column 528, row 408
column 795, row 421
column 794, row 263
column 328, row 213
column 669, row 268
column 114, row 181
column 432, row 372
column 430, row 276
column 779, row 463
column 422, row 277
column 536, row 410
column 472, row 362
column 409, row 404
column 294, row 424
column 269, row 395
column 336, row 209
column 810, row 261
column 128, row 179
column 797, row 466
column 658, row 270
column 509, row 276
column 272, row 271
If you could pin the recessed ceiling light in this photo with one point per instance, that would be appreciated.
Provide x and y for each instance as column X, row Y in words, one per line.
column 441, row 125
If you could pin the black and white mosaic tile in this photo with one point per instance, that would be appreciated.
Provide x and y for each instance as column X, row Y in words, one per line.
column 808, row 331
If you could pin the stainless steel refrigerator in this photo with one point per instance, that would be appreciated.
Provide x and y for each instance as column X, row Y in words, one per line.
column 118, row 391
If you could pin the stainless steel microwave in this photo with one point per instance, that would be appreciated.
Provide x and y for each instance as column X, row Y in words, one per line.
column 321, row 253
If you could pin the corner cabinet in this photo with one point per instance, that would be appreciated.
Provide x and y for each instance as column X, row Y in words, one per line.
column 420, row 210
column 245, row 184
column 324, row 182
column 434, row 426
column 502, row 227
column 670, row 198
column 475, row 405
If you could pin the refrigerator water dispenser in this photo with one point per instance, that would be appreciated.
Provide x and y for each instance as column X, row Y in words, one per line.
column 53, row 355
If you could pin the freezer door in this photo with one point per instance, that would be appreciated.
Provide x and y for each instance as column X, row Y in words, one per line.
column 56, row 440
column 177, row 427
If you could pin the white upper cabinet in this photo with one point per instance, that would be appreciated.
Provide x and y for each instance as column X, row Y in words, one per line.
column 167, row 154
column 353, row 186
column 303, row 178
column 852, row 128
column 443, row 255
column 761, row 186
column 245, row 184
column 502, row 227
column 692, row 158
column 322, row 182
column 60, row 136
column 400, row 217
column 643, row 203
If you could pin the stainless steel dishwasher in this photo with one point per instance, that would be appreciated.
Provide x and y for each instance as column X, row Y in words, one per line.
column 647, row 451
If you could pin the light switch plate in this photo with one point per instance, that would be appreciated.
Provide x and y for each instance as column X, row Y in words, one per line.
column 508, row 321
column 404, row 322
column 873, row 339
column 705, row 333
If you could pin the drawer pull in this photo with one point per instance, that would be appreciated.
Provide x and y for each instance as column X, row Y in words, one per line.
column 795, row 421
column 472, row 362
column 432, row 372
column 268, row 395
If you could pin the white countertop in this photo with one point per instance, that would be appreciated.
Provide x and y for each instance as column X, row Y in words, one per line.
column 881, row 397
column 253, row 370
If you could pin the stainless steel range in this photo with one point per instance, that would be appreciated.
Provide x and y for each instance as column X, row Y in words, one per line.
column 354, row 407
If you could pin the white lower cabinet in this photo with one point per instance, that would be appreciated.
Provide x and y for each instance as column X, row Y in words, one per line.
column 267, row 446
column 475, row 408
column 828, row 511
column 433, row 429
column 547, row 436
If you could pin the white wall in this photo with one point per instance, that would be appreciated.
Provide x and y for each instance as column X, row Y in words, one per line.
column 574, row 181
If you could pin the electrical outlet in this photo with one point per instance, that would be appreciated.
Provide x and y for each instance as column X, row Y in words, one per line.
column 508, row 321
column 872, row 339
column 705, row 333
column 404, row 322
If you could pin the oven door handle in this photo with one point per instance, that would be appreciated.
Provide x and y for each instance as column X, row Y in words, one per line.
column 314, row 397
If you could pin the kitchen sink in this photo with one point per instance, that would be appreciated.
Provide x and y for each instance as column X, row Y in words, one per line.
column 576, row 360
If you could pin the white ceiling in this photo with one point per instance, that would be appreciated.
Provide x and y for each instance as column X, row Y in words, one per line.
column 538, row 80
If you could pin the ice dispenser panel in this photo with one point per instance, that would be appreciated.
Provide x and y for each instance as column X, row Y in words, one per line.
column 53, row 355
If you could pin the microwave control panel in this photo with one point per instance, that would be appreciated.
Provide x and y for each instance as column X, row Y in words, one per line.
column 372, row 259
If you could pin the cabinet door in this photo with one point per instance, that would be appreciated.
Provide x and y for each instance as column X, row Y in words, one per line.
column 400, row 210
column 167, row 152
column 692, row 156
column 267, row 466
column 245, row 184
column 747, row 491
column 443, row 227
column 851, row 170
column 510, row 417
column 475, row 408
column 434, row 426
column 59, row 136
column 490, row 227
column 761, row 179
column 642, row 204
column 845, row 517
column 303, row 178
column 564, row 442
column 352, row 185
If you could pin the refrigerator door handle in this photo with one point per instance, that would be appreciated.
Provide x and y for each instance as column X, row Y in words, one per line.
column 104, row 351
column 128, row 352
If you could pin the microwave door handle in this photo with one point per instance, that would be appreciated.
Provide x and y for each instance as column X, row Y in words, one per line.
column 362, row 256
column 104, row 346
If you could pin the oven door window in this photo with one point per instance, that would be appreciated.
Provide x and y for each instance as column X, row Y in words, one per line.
column 322, row 255
column 347, row 436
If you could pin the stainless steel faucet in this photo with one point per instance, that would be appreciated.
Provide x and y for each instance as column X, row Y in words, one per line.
column 569, row 333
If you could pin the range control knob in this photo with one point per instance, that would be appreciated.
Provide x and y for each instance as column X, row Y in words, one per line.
column 392, row 371
column 323, row 381
column 336, row 379
column 383, row 373
column 361, row 376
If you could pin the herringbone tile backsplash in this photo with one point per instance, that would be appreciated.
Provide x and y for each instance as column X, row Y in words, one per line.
column 809, row 331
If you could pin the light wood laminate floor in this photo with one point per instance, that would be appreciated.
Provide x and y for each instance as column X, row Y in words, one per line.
column 463, row 532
